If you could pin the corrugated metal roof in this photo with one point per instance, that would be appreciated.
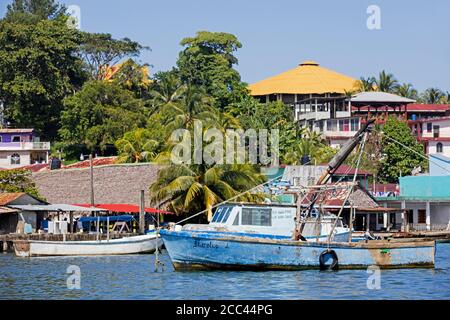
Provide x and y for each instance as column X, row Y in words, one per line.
column 7, row 210
column 307, row 78
column 334, row 197
column 379, row 97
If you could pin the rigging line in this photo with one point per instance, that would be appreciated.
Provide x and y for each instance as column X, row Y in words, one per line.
column 350, row 189
column 411, row 149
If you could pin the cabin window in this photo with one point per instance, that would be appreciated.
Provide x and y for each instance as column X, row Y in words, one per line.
column 222, row 214
column 226, row 214
column 439, row 147
column 256, row 216
column 236, row 220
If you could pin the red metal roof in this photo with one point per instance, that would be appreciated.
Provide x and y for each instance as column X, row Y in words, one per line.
column 428, row 107
column 122, row 207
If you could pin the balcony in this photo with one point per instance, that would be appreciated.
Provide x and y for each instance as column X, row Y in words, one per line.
column 30, row 146
column 313, row 115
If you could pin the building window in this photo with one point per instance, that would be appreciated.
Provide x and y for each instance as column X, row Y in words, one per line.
column 436, row 131
column 256, row 216
column 15, row 139
column 354, row 124
column 439, row 147
column 422, row 216
column 429, row 127
column 1, row 139
column 15, row 158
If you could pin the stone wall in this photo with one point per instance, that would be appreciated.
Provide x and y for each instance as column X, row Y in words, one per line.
column 119, row 183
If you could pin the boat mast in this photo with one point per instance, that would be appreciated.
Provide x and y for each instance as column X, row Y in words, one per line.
column 333, row 165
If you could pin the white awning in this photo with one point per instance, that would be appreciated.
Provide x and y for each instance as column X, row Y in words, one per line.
column 55, row 207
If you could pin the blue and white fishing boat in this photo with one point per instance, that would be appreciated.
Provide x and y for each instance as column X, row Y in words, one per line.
column 253, row 237
column 273, row 220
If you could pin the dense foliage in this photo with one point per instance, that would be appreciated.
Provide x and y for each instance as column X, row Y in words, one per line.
column 398, row 160
column 18, row 180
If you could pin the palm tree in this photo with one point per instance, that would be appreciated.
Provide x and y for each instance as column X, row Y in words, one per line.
column 366, row 84
column 386, row 82
column 432, row 95
column 407, row 90
column 136, row 146
column 167, row 91
column 195, row 105
column 193, row 188
column 311, row 145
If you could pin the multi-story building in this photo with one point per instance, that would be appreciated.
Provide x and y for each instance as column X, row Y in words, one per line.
column 434, row 133
column 22, row 147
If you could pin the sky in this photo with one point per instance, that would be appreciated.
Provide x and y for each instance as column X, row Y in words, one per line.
column 412, row 42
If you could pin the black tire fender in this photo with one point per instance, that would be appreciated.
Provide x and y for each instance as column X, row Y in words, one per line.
column 334, row 265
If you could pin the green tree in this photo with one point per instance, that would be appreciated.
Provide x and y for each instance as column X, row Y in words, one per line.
column 100, row 114
column 195, row 105
column 386, row 82
column 134, row 77
column 101, row 51
column 18, row 180
column 366, row 84
column 312, row 145
column 396, row 160
column 190, row 189
column 407, row 90
column 207, row 61
column 166, row 91
column 32, row 11
column 136, row 146
column 432, row 95
column 38, row 68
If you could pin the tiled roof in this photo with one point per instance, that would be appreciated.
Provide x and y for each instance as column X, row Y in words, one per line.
column 334, row 197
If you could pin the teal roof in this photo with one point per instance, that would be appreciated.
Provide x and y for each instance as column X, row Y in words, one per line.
column 422, row 188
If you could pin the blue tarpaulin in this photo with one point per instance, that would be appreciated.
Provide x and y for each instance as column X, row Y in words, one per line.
column 122, row 218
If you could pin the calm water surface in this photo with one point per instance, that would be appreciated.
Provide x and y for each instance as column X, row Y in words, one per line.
column 133, row 277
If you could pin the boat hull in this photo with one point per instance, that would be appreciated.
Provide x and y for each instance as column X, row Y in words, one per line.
column 189, row 250
column 130, row 245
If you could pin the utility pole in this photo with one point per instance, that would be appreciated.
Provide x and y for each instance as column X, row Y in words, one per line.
column 92, row 179
column 142, row 214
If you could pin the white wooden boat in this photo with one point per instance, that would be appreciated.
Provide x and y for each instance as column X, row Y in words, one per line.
column 127, row 245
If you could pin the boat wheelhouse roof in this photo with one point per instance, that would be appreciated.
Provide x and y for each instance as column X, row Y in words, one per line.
column 271, row 204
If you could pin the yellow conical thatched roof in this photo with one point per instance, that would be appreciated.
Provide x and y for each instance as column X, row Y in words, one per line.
column 306, row 78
